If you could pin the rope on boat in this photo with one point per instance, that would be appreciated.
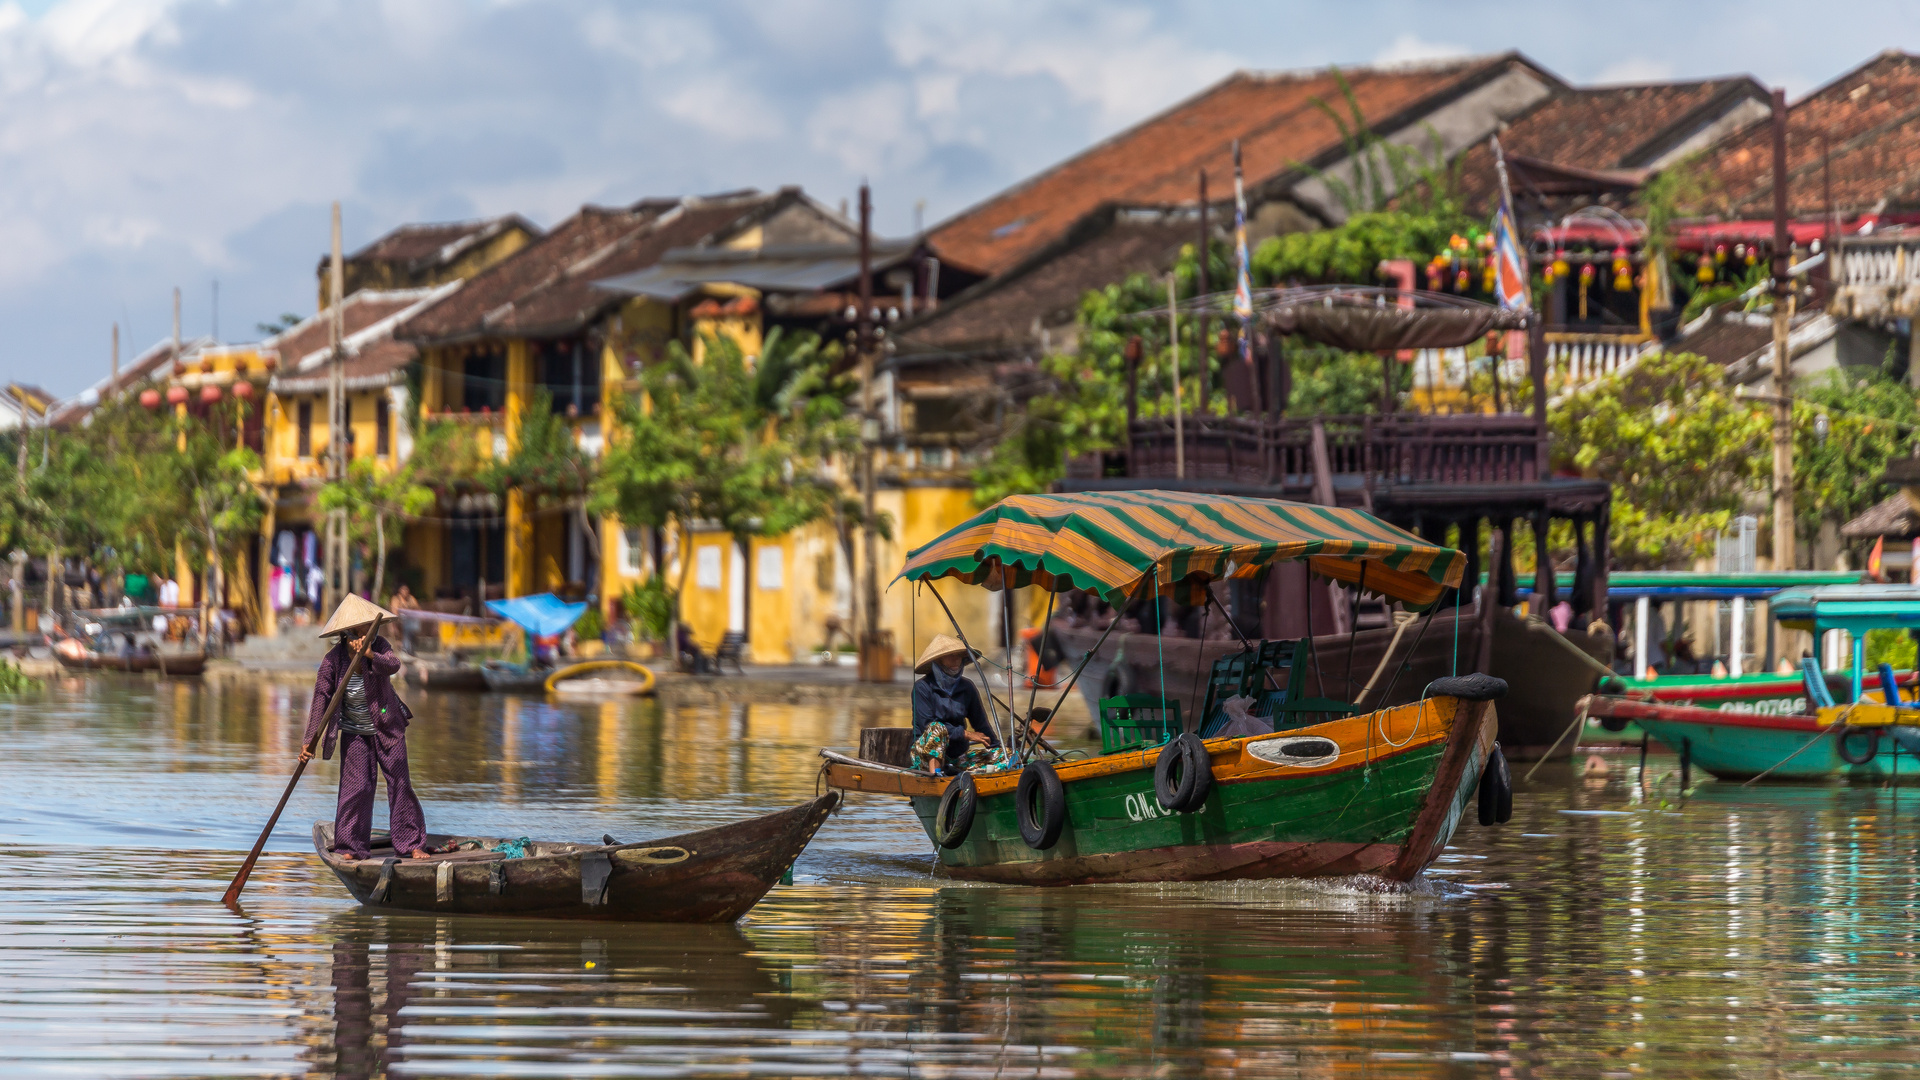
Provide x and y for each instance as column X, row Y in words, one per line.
column 1579, row 721
column 1838, row 723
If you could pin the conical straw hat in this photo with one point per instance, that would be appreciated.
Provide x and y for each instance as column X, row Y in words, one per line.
column 354, row 613
column 941, row 645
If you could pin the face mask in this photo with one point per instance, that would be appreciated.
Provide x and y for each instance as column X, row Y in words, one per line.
column 943, row 679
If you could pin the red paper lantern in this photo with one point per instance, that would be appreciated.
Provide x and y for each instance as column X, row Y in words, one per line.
column 209, row 394
column 243, row 391
column 176, row 395
column 150, row 398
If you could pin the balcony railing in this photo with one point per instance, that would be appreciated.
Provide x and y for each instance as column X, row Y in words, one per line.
column 1877, row 277
column 1382, row 450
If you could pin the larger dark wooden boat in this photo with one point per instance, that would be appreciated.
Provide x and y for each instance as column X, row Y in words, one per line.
column 714, row 875
column 170, row 663
column 1547, row 672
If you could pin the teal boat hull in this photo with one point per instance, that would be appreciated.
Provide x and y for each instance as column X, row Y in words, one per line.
column 1741, row 746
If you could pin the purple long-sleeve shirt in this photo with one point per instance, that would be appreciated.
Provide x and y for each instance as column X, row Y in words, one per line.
column 390, row 714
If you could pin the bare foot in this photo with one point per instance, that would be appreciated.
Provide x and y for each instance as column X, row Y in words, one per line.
column 418, row 853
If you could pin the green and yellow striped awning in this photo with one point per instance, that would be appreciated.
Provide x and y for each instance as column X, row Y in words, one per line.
column 1126, row 545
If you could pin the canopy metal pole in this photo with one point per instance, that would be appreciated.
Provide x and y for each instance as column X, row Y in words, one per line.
column 1039, row 659
column 1084, row 660
column 973, row 652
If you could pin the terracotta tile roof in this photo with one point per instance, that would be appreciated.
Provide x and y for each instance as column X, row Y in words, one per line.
column 421, row 246
column 1156, row 162
column 1607, row 127
column 151, row 364
column 1726, row 339
column 546, row 289
column 378, row 363
column 1870, row 117
column 359, row 311
column 1892, row 516
column 1047, row 287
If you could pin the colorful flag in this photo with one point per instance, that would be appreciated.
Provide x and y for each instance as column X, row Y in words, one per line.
column 1243, row 280
column 1511, row 283
column 1875, row 560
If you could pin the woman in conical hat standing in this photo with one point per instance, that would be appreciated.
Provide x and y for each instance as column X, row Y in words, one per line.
column 372, row 725
column 950, row 730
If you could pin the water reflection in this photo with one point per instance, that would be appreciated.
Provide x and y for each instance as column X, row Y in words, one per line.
column 1613, row 929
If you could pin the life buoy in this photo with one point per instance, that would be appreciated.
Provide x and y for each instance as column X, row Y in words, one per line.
column 1183, row 775
column 954, row 819
column 1496, row 789
column 1042, row 804
column 1873, row 745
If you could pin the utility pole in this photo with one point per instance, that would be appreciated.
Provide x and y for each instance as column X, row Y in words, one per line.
column 876, row 656
column 336, row 524
column 1203, row 286
column 113, row 386
column 1783, row 299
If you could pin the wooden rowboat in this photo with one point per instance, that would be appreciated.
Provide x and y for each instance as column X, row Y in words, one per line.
column 714, row 875
column 181, row 663
column 1379, row 793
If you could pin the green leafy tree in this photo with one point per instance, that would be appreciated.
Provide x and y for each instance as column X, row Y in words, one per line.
column 548, row 465
column 744, row 444
column 1380, row 169
column 1678, row 446
column 1846, row 426
column 223, row 507
column 373, row 494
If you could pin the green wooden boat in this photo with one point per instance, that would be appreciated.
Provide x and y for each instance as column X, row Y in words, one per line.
column 1330, row 799
column 1298, row 787
column 1858, row 739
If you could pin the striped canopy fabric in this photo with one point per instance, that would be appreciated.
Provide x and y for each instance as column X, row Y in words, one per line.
column 1126, row 545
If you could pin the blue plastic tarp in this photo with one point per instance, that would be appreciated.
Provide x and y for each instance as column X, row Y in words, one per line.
column 542, row 614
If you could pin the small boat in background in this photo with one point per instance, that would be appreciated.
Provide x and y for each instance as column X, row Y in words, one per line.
column 624, row 678
column 124, row 639
column 507, row 677
column 1863, row 732
column 712, row 876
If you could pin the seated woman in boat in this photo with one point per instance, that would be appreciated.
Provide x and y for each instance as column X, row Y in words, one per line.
column 951, row 733
column 372, row 724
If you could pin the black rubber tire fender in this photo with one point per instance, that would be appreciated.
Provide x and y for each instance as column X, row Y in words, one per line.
column 954, row 820
column 1474, row 687
column 1503, row 788
column 1489, row 799
column 1040, row 790
column 1183, row 774
column 1873, row 744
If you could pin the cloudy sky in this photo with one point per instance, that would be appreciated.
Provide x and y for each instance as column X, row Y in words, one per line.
column 146, row 144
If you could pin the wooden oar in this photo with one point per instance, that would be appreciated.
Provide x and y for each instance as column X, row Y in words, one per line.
column 306, row 752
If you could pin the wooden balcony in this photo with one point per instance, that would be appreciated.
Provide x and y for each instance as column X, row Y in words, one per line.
column 1376, row 451
column 1877, row 277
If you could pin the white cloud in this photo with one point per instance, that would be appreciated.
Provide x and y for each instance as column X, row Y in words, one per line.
column 1635, row 69
column 1411, row 48
column 151, row 143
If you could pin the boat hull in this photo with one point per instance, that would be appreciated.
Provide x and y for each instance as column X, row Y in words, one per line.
column 446, row 676
column 185, row 664
column 1386, row 805
column 1734, row 745
column 714, row 875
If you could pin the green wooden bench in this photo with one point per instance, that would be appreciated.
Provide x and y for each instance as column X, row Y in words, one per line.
column 1137, row 721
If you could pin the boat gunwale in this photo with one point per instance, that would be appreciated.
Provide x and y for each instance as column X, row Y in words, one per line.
column 1233, row 762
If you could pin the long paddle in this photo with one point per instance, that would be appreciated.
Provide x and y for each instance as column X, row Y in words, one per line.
column 306, row 753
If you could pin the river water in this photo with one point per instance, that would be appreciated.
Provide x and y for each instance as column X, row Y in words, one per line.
column 1609, row 930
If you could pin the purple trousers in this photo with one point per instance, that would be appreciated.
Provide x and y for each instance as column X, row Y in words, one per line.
column 353, row 822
